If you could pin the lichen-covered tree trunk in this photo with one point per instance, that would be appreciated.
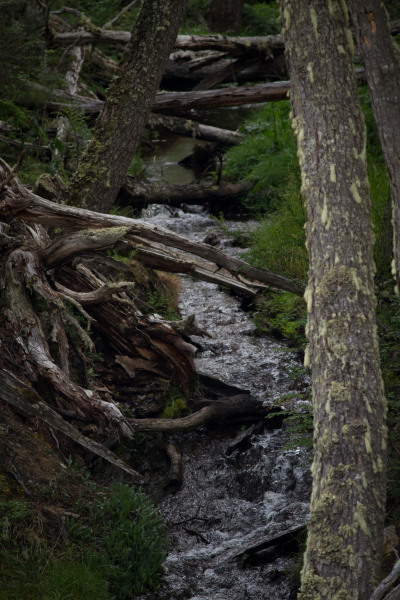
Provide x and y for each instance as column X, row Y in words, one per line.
column 381, row 59
column 129, row 100
column 348, row 499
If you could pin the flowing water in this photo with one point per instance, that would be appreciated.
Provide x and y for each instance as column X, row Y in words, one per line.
column 232, row 499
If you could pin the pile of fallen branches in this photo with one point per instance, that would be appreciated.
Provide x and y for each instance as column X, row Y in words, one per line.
column 59, row 286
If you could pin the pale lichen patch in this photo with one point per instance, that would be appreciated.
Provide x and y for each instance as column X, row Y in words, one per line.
column 333, row 173
column 286, row 18
column 314, row 21
column 310, row 72
column 307, row 357
column 355, row 193
column 360, row 518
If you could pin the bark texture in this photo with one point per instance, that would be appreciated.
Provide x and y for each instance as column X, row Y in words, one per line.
column 382, row 68
column 225, row 14
column 129, row 100
column 345, row 533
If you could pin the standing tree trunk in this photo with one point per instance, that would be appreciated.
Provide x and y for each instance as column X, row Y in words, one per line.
column 344, row 545
column 225, row 15
column 382, row 67
column 129, row 100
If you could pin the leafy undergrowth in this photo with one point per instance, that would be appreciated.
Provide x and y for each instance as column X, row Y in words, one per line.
column 62, row 535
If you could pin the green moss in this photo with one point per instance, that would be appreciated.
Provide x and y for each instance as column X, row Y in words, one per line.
column 176, row 407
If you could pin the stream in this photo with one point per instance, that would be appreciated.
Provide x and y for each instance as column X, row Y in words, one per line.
column 233, row 498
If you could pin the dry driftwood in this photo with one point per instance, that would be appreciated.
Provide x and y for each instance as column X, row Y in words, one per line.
column 32, row 208
column 195, row 130
column 181, row 102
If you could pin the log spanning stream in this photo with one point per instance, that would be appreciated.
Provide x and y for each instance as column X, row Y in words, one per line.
column 236, row 496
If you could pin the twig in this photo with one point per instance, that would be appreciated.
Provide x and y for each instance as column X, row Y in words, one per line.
column 19, row 478
column 13, row 171
column 384, row 585
column 66, row 51
column 394, row 594
column 119, row 15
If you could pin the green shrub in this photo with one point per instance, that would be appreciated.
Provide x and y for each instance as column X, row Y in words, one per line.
column 266, row 158
column 283, row 313
column 60, row 578
column 261, row 19
column 176, row 407
column 129, row 537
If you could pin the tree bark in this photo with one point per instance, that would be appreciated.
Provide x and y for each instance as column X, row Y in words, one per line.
column 345, row 533
column 130, row 96
column 382, row 67
column 225, row 15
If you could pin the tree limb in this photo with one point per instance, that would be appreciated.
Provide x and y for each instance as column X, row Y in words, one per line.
column 27, row 402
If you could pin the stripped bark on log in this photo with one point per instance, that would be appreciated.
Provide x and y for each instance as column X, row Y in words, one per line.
column 30, row 207
column 195, row 130
column 181, row 102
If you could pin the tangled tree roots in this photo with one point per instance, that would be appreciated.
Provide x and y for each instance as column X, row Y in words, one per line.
column 63, row 299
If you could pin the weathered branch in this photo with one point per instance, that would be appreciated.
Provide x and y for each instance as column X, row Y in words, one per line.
column 28, row 403
column 387, row 583
column 99, row 295
column 49, row 213
column 195, row 130
column 219, row 411
column 87, row 239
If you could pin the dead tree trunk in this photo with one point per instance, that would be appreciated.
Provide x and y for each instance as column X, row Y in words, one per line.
column 382, row 68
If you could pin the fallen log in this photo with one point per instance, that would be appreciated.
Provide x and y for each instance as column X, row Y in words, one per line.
column 181, row 74
column 288, row 539
column 32, row 208
column 235, row 46
column 195, row 130
column 181, row 102
column 219, row 411
column 139, row 195
column 177, row 264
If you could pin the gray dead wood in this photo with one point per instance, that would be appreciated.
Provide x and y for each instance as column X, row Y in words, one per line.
column 32, row 208
column 195, row 130
column 28, row 403
column 181, row 102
